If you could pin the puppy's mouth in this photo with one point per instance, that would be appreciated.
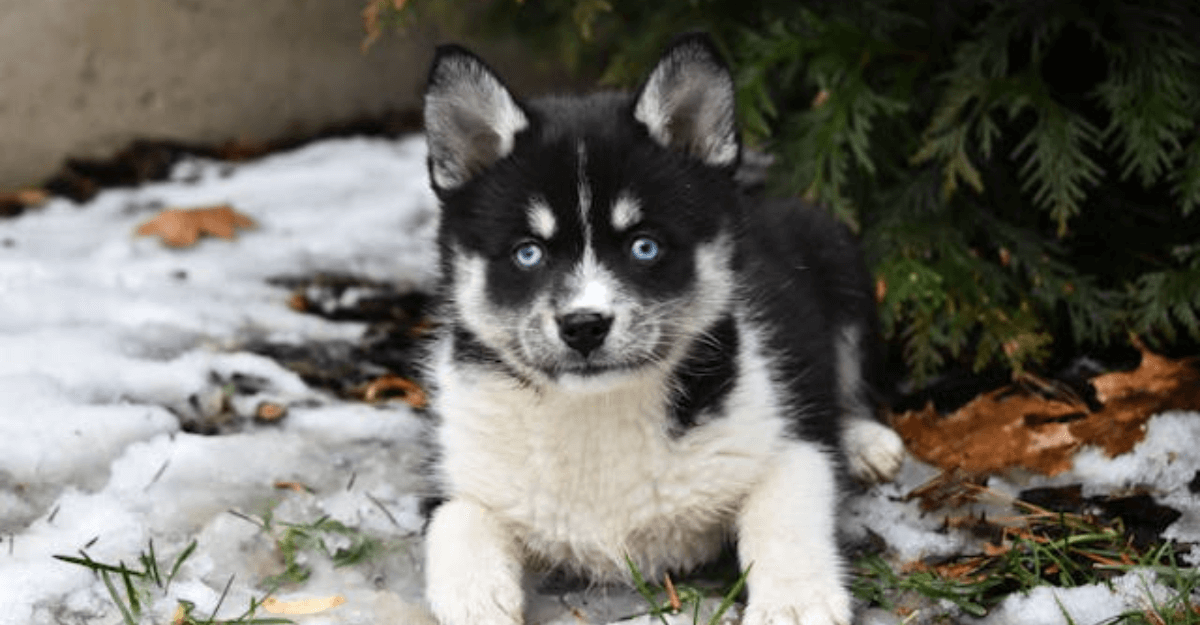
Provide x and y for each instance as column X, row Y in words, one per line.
column 597, row 367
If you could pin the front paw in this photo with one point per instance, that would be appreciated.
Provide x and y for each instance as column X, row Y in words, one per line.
column 473, row 606
column 472, row 573
column 830, row 606
column 874, row 451
column 835, row 611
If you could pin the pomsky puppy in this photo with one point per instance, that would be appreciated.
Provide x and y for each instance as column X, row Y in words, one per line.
column 636, row 362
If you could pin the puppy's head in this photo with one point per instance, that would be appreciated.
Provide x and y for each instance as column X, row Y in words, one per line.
column 585, row 239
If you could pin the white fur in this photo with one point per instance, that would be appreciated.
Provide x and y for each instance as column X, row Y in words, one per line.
column 626, row 211
column 585, row 191
column 542, row 221
column 470, row 295
column 590, row 478
column 594, row 287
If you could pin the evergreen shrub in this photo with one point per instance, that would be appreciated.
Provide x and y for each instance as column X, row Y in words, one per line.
column 1025, row 175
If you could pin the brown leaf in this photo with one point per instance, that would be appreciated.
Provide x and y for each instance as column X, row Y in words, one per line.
column 1037, row 427
column 180, row 227
column 15, row 202
column 390, row 386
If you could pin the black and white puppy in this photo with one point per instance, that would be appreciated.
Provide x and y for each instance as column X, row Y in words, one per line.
column 635, row 362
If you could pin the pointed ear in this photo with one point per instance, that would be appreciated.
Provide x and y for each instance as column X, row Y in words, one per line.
column 687, row 103
column 471, row 118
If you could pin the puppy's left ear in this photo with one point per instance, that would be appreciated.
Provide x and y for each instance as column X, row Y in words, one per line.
column 687, row 103
column 471, row 118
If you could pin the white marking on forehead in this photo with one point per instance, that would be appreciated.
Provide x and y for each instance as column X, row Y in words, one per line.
column 626, row 211
column 585, row 192
column 541, row 218
column 593, row 286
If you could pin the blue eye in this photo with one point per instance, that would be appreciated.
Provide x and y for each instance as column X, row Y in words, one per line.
column 645, row 249
column 528, row 255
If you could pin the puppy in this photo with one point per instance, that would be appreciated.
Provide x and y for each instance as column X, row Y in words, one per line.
column 636, row 362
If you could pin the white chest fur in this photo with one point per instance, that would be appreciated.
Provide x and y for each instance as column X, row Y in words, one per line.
column 587, row 478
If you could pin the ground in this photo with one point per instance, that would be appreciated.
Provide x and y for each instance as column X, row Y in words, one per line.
column 218, row 394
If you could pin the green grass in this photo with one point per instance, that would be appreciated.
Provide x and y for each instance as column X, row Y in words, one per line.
column 672, row 598
column 294, row 539
column 1041, row 549
column 135, row 588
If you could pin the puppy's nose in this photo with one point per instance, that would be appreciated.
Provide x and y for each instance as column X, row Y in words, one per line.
column 584, row 331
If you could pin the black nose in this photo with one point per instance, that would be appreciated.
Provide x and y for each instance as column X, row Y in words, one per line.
column 584, row 332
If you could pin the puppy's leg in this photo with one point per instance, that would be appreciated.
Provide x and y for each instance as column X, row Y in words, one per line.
column 786, row 536
column 472, row 567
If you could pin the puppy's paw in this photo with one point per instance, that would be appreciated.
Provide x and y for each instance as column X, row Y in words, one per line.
column 820, row 609
column 873, row 450
column 472, row 576
column 476, row 606
column 782, row 598
column 475, row 597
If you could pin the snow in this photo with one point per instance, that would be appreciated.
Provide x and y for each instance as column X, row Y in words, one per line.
column 108, row 340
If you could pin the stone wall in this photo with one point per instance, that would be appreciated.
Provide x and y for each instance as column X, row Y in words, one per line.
column 84, row 77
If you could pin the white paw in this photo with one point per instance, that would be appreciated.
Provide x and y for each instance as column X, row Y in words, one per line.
column 831, row 608
column 477, row 608
column 874, row 451
column 472, row 576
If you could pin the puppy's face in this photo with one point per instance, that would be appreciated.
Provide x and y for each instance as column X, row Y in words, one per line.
column 570, row 263
column 581, row 241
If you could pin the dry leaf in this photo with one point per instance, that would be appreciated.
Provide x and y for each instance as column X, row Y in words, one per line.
column 15, row 202
column 302, row 606
column 1018, row 426
column 298, row 302
column 180, row 227
column 390, row 386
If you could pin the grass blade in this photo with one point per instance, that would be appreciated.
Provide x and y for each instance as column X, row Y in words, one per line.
column 644, row 589
column 88, row 563
column 135, row 606
column 150, row 563
column 116, row 597
column 183, row 555
column 730, row 596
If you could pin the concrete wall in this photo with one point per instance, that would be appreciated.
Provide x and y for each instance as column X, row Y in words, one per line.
column 84, row 77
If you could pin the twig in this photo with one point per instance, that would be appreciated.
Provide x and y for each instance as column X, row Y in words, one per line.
column 385, row 510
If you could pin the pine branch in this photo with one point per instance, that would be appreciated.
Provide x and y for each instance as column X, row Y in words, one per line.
column 1187, row 178
column 1151, row 105
column 1057, row 167
column 1165, row 298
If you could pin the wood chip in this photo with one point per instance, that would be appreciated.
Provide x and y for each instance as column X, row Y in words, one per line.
column 270, row 412
column 302, row 606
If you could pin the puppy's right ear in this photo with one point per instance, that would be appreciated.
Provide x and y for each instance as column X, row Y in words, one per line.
column 471, row 118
